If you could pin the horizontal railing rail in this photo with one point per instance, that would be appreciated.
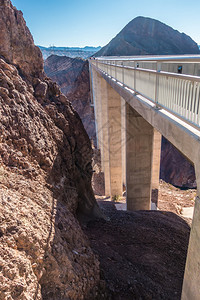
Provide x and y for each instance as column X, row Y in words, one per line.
column 154, row 58
column 179, row 93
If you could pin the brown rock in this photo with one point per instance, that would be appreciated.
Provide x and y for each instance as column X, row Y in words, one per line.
column 45, row 178
column 17, row 46
column 41, row 89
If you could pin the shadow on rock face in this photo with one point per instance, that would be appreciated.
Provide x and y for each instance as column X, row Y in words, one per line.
column 69, row 179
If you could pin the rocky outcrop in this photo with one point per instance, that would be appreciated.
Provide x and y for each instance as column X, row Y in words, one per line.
column 144, row 36
column 17, row 44
column 45, row 177
column 72, row 76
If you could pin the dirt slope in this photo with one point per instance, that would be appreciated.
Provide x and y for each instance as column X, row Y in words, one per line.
column 142, row 254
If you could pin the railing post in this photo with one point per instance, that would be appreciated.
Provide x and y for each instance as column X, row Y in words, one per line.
column 158, row 64
column 122, row 73
column 135, row 66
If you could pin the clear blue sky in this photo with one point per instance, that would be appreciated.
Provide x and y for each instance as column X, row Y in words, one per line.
column 94, row 23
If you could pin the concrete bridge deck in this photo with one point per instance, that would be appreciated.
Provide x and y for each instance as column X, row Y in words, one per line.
column 137, row 100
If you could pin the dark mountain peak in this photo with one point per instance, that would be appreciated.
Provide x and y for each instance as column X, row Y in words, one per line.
column 144, row 35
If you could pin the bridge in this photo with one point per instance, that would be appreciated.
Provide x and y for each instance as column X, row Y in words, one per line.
column 136, row 101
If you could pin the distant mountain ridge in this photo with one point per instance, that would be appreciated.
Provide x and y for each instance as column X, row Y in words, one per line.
column 146, row 36
column 73, row 52
column 86, row 48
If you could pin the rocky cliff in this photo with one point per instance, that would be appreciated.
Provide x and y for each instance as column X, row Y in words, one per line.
column 45, row 177
column 144, row 36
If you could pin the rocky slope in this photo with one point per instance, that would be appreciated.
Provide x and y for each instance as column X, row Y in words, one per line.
column 72, row 76
column 144, row 36
column 45, row 177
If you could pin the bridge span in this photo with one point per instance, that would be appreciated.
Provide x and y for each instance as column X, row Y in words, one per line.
column 136, row 101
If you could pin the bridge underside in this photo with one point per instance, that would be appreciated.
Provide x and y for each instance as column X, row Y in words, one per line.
column 129, row 130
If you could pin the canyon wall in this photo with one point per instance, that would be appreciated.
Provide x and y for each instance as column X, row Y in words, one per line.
column 72, row 76
column 45, row 177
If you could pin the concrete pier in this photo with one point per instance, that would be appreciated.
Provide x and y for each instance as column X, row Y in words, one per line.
column 98, row 111
column 139, row 151
column 157, row 137
column 105, row 136
column 123, row 142
column 108, row 121
column 115, row 137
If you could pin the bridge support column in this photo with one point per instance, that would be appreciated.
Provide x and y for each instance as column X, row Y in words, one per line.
column 139, row 150
column 115, row 150
column 98, row 110
column 105, row 161
column 123, row 143
column 191, row 282
column 155, row 168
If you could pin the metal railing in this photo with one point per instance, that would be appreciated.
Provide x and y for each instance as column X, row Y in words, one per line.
column 172, row 82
